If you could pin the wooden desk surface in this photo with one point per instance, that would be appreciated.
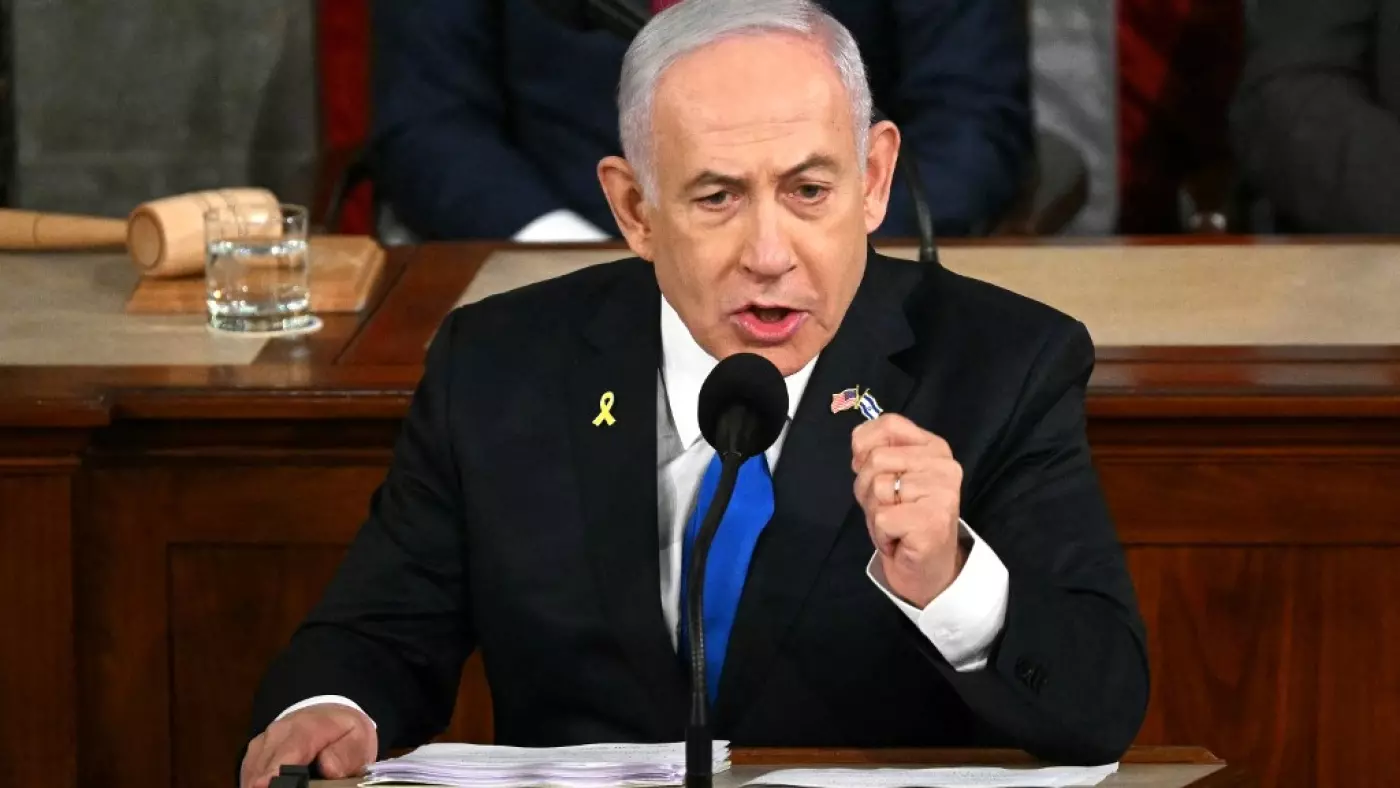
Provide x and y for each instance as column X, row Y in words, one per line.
column 1297, row 321
column 1141, row 767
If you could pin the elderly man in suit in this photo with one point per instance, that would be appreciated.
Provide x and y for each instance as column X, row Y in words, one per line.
column 489, row 116
column 944, row 574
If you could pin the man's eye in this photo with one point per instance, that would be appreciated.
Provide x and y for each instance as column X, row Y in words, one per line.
column 714, row 200
column 810, row 192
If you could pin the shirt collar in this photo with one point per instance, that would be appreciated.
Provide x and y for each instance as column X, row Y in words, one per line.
column 685, row 365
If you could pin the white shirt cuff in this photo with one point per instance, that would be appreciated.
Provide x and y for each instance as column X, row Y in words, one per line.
column 339, row 700
column 562, row 226
column 964, row 620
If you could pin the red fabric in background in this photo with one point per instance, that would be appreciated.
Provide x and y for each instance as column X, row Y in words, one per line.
column 343, row 51
column 1178, row 61
column 657, row 6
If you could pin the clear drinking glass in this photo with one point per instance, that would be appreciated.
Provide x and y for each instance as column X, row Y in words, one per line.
column 257, row 268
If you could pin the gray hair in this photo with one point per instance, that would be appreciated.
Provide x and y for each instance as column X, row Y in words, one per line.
column 688, row 26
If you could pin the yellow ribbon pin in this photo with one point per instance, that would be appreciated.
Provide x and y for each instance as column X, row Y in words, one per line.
column 605, row 411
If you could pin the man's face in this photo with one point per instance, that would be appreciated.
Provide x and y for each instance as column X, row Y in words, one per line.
column 758, row 225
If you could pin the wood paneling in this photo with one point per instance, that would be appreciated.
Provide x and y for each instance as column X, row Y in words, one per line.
column 194, row 573
column 1233, row 636
column 1283, row 658
column 471, row 720
column 1279, row 496
column 290, row 503
column 137, row 622
column 1358, row 677
column 38, row 726
column 122, row 634
column 232, row 608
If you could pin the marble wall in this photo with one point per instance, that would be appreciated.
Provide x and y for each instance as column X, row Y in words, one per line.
column 119, row 101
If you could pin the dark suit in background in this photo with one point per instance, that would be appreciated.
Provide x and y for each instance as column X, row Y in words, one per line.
column 509, row 523
column 1316, row 122
column 490, row 113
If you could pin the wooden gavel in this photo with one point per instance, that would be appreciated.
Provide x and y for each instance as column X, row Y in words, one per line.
column 165, row 238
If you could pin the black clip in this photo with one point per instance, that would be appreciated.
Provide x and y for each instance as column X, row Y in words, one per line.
column 292, row 777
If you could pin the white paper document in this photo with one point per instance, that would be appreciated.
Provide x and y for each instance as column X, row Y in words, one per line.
column 584, row 766
column 942, row 777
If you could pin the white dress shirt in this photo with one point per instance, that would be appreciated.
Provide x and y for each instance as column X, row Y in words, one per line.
column 961, row 622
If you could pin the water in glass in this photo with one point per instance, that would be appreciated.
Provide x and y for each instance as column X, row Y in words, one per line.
column 257, row 281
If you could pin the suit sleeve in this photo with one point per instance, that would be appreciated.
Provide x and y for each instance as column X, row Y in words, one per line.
column 1307, row 131
column 440, row 144
column 393, row 628
column 1067, row 678
column 962, row 104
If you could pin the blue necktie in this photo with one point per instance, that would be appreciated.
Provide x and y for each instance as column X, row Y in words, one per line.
column 750, row 509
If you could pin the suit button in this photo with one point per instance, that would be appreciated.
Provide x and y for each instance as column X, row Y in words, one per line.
column 1032, row 675
column 1023, row 669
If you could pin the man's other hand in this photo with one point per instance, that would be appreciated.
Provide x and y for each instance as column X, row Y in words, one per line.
column 340, row 740
column 910, row 488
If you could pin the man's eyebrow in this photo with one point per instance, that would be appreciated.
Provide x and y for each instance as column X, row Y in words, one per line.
column 816, row 161
column 712, row 178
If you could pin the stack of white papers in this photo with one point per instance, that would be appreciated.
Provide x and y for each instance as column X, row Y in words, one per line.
column 943, row 777
column 585, row 766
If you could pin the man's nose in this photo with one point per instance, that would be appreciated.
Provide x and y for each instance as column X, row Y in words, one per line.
column 768, row 251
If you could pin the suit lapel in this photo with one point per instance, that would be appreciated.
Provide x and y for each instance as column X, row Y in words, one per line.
column 617, row 473
column 813, row 483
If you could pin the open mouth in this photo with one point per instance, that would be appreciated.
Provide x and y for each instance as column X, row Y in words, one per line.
column 770, row 314
column 769, row 325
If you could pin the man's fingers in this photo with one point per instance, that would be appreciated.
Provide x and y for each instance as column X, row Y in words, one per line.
column 892, row 429
column 889, row 526
column 347, row 756
column 885, row 458
column 899, row 459
column 874, row 486
column 906, row 528
column 276, row 752
column 873, row 489
column 251, row 759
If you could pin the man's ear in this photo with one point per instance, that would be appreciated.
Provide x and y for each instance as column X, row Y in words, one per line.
column 629, row 208
column 880, row 159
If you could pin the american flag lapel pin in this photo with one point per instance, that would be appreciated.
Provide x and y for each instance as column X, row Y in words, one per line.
column 845, row 400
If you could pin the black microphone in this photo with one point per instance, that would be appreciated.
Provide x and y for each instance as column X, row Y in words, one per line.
column 743, row 407
column 625, row 20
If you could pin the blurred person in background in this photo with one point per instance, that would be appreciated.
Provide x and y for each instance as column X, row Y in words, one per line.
column 1316, row 121
column 490, row 117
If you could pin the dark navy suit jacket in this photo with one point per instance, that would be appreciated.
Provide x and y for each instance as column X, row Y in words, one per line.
column 519, row 530
column 491, row 113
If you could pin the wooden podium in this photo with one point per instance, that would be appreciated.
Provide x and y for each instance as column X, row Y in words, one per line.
column 172, row 503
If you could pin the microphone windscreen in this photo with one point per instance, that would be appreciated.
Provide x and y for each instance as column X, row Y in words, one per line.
column 743, row 405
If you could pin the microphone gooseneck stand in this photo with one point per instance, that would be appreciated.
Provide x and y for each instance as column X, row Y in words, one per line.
column 699, row 748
